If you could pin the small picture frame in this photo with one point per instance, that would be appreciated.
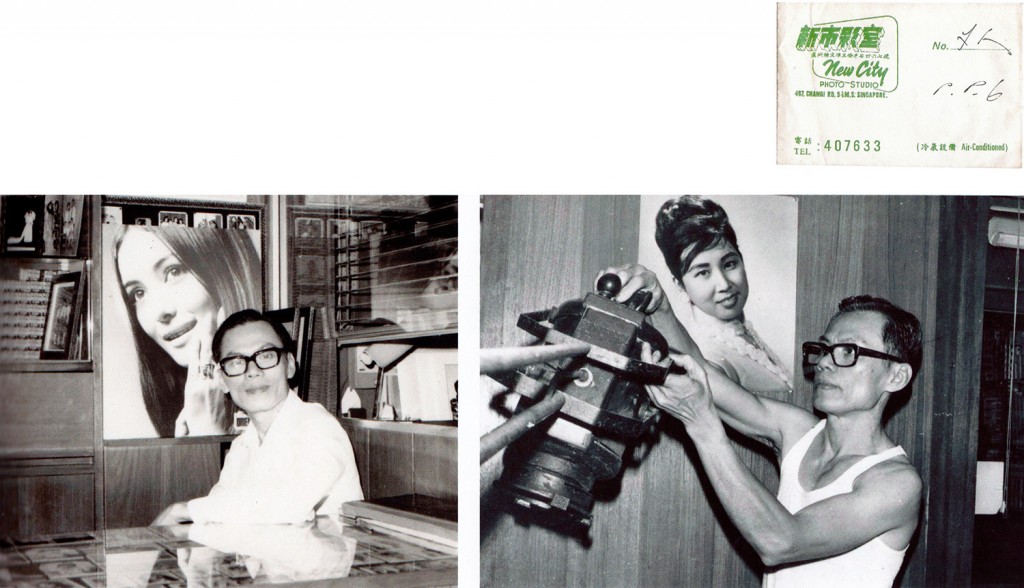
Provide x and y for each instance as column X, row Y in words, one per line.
column 61, row 316
column 23, row 218
column 306, row 228
column 172, row 218
column 241, row 221
column 209, row 220
column 144, row 221
column 111, row 215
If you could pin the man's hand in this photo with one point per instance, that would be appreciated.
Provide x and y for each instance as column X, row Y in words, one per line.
column 174, row 514
column 686, row 396
column 636, row 277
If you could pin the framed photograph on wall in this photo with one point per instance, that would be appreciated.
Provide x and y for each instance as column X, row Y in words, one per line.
column 62, row 225
column 218, row 272
column 173, row 218
column 241, row 221
column 208, row 220
column 61, row 316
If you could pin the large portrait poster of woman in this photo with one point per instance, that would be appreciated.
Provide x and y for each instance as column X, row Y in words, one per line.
column 734, row 285
column 165, row 291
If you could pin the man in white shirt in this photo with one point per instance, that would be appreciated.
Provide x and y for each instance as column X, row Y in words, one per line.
column 294, row 461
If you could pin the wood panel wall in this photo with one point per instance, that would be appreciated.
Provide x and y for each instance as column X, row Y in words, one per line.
column 141, row 480
column 422, row 459
column 925, row 254
column 659, row 527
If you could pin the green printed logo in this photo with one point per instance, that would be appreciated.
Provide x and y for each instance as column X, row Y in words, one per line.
column 856, row 56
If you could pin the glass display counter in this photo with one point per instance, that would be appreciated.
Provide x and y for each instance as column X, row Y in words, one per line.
column 325, row 552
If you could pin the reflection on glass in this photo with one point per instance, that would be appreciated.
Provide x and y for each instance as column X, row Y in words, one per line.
column 267, row 553
column 177, row 556
column 391, row 261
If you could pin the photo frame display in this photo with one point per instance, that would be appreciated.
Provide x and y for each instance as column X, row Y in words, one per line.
column 61, row 316
column 62, row 225
column 23, row 219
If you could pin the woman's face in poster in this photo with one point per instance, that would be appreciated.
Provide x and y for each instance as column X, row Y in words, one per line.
column 716, row 282
column 170, row 303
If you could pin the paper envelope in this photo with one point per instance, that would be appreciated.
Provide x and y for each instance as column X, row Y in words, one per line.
column 899, row 84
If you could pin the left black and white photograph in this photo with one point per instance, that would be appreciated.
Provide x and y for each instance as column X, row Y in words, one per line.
column 218, row 390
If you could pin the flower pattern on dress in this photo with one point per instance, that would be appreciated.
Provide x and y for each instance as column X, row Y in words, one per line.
column 731, row 334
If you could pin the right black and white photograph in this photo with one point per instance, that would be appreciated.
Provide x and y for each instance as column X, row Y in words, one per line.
column 729, row 390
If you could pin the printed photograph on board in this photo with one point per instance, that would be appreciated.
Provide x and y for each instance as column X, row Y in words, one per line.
column 170, row 286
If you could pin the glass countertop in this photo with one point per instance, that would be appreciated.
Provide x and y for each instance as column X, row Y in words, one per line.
column 323, row 552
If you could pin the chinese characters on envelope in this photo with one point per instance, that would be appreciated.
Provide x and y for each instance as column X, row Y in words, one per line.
column 899, row 84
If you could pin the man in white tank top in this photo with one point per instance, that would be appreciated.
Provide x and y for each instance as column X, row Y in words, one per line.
column 849, row 499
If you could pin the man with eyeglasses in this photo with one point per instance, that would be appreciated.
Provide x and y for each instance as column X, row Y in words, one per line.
column 849, row 499
column 295, row 460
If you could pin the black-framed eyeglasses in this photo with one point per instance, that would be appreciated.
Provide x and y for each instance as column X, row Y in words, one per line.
column 843, row 354
column 236, row 365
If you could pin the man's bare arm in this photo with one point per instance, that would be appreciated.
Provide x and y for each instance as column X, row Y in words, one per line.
column 884, row 498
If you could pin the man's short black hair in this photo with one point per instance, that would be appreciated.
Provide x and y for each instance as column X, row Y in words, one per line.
column 901, row 332
column 249, row 315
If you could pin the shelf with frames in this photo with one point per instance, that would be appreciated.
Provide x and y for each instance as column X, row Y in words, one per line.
column 26, row 279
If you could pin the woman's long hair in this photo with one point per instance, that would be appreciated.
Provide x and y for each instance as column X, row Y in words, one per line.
column 691, row 225
column 226, row 263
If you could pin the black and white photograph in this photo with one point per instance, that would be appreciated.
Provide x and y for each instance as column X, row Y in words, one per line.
column 22, row 218
column 207, row 220
column 61, row 314
column 645, row 379
column 172, row 218
column 216, row 380
column 241, row 221
column 172, row 287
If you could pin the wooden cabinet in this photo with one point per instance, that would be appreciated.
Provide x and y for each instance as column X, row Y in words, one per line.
column 43, row 503
column 48, row 481
column 45, row 413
